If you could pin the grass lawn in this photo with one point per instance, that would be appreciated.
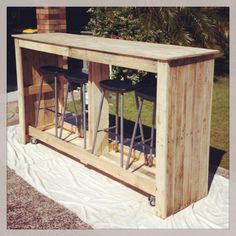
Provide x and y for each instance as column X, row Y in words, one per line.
column 220, row 120
column 219, row 125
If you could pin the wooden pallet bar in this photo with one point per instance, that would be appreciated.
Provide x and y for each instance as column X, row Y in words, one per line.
column 184, row 93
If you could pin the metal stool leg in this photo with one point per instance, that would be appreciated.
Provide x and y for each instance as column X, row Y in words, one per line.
column 75, row 110
column 56, row 105
column 121, row 129
column 152, row 133
column 84, row 115
column 64, row 109
column 82, row 110
column 98, row 121
column 117, row 121
column 141, row 129
column 38, row 101
column 134, row 132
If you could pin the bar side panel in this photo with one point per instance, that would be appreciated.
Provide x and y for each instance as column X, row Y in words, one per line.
column 182, row 169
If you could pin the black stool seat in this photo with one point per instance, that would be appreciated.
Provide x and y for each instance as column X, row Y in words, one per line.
column 50, row 70
column 147, row 93
column 119, row 86
column 76, row 77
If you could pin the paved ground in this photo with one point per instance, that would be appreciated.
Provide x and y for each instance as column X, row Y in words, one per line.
column 26, row 207
column 29, row 209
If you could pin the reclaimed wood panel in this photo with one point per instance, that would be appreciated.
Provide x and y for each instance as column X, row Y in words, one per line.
column 32, row 61
column 183, row 133
column 138, row 180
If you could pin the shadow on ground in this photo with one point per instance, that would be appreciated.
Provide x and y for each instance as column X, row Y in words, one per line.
column 215, row 157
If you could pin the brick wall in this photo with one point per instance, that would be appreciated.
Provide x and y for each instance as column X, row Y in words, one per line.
column 52, row 19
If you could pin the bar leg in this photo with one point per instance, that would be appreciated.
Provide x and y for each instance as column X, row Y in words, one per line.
column 98, row 121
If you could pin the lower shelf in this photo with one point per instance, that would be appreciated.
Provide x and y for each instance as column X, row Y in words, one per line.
column 139, row 176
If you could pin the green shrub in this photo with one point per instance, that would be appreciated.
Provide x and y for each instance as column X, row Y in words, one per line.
column 190, row 26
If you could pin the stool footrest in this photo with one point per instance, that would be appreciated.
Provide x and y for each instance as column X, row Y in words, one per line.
column 107, row 129
column 143, row 142
column 49, row 109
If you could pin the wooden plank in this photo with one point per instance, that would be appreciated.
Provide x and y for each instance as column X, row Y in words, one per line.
column 181, row 119
column 162, row 167
column 119, row 46
column 201, row 100
column 97, row 72
column 196, row 119
column 208, row 76
column 21, row 99
column 112, row 59
column 188, row 137
column 137, row 166
column 171, row 138
column 43, row 47
column 139, row 181
column 33, row 89
column 94, row 56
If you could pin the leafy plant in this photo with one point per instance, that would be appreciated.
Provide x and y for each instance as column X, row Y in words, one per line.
column 206, row 27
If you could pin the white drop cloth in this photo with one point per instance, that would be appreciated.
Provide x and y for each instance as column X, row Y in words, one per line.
column 102, row 202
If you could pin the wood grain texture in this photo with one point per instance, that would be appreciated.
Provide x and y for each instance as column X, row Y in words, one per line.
column 21, row 98
column 183, row 134
column 97, row 72
column 118, row 46
column 184, row 94
column 163, row 169
column 34, row 89
column 94, row 56
column 32, row 61
column 137, row 180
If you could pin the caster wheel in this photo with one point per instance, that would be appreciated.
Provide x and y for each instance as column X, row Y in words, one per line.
column 152, row 200
column 33, row 140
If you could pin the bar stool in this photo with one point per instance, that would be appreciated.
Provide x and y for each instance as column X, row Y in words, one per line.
column 76, row 79
column 119, row 87
column 148, row 93
column 46, row 73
